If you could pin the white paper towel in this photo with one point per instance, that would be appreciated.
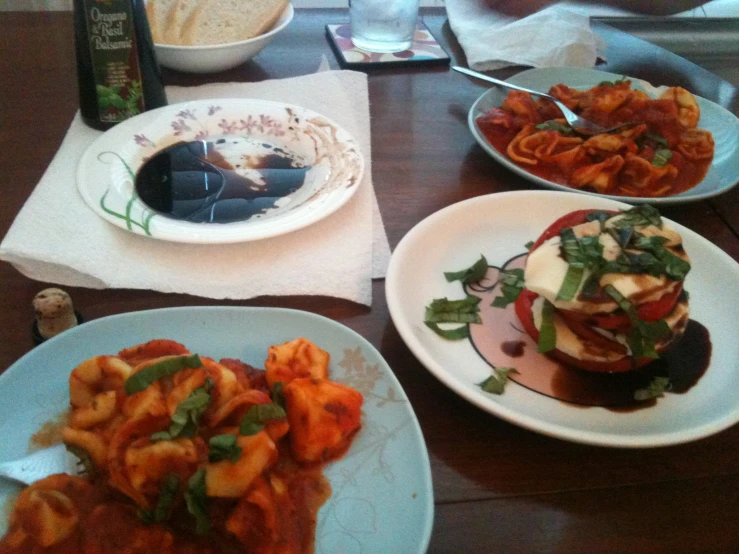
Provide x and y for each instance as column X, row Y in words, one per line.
column 57, row 238
column 553, row 37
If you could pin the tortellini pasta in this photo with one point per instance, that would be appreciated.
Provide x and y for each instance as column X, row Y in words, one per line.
column 661, row 152
column 169, row 434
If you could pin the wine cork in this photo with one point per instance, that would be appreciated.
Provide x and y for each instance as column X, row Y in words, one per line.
column 54, row 312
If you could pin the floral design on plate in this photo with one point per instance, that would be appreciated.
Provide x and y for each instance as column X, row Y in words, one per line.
column 252, row 130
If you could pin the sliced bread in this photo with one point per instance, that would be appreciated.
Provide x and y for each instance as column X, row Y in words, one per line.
column 221, row 21
column 157, row 12
column 178, row 16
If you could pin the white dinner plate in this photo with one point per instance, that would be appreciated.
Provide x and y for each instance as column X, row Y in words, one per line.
column 498, row 226
column 722, row 175
column 249, row 130
column 382, row 498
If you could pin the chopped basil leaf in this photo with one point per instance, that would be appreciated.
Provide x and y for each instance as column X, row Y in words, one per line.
column 673, row 267
column 167, row 493
column 660, row 140
column 277, row 395
column 583, row 252
column 458, row 333
column 642, row 335
column 640, row 216
column 495, row 384
column 442, row 310
column 223, row 447
column 472, row 274
column 612, row 83
column 654, row 389
column 511, row 284
column 547, row 332
column 553, row 125
column 598, row 215
column 197, row 502
column 572, row 281
column 661, row 157
column 591, row 289
column 622, row 235
column 258, row 415
column 186, row 417
column 139, row 381
column 529, row 245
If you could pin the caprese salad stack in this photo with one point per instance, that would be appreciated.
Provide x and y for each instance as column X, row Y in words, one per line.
column 603, row 290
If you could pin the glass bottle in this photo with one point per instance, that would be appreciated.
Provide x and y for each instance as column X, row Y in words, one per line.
column 116, row 65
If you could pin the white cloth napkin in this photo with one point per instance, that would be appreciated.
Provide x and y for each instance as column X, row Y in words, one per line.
column 57, row 238
column 553, row 37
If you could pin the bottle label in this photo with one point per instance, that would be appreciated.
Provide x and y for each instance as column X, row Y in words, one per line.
column 115, row 62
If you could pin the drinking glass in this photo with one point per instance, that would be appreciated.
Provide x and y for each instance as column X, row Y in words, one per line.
column 383, row 25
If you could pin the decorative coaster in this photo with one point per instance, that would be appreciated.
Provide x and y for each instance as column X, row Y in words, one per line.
column 425, row 49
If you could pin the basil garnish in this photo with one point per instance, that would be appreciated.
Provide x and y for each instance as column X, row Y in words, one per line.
column 163, row 509
column 572, row 281
column 660, row 140
column 197, row 502
column 442, row 310
column 654, row 389
column 661, row 157
column 511, row 284
column 254, row 420
column 186, row 417
column 458, row 333
column 553, row 125
column 529, row 245
column 547, row 332
column 674, row 268
column 472, row 274
column 598, row 215
column 139, row 381
column 639, row 216
column 223, row 447
column 642, row 335
column 495, row 384
column 277, row 395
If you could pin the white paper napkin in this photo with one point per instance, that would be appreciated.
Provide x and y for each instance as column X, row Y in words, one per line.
column 57, row 238
column 553, row 37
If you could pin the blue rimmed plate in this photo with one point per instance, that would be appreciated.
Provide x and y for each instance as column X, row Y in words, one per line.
column 722, row 175
column 382, row 498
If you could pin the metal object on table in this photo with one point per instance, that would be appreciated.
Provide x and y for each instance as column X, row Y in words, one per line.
column 38, row 465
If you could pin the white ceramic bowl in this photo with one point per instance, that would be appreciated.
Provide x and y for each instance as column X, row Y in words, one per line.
column 218, row 57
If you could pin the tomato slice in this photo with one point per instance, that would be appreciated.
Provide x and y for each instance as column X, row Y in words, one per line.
column 523, row 308
column 569, row 220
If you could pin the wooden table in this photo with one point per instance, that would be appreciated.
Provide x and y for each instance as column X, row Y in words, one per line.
column 498, row 488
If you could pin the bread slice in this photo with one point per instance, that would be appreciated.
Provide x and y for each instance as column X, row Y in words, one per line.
column 178, row 16
column 157, row 12
column 221, row 21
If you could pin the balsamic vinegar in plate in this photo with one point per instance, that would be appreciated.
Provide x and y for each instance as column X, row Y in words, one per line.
column 193, row 181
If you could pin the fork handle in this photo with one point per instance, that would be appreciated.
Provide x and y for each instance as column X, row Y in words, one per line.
column 499, row 82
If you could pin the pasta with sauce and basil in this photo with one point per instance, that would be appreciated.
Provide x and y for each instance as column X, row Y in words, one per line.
column 663, row 153
column 188, row 455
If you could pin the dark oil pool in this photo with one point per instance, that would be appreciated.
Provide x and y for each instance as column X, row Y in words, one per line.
column 193, row 181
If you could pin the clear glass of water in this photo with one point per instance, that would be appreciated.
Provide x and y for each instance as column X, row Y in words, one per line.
column 383, row 25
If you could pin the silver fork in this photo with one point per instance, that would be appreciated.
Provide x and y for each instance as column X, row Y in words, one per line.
column 38, row 465
column 580, row 125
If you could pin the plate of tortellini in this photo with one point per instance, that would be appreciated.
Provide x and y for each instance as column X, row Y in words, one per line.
column 673, row 146
column 210, row 430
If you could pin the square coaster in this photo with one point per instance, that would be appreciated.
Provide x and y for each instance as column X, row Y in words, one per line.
column 425, row 50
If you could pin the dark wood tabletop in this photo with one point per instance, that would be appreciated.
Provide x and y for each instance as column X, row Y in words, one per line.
column 497, row 487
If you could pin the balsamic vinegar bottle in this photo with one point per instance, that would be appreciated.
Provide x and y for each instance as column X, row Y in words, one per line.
column 116, row 66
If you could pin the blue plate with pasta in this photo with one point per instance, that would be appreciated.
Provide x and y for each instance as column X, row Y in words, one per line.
column 652, row 163
column 381, row 493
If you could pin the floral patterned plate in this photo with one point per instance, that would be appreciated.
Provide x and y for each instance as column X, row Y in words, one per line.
column 382, row 499
column 247, row 132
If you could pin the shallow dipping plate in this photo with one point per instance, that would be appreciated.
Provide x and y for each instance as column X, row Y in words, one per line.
column 498, row 226
column 105, row 175
column 382, row 498
column 722, row 175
